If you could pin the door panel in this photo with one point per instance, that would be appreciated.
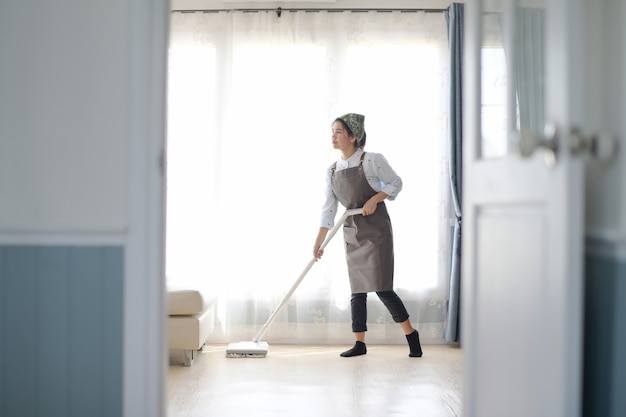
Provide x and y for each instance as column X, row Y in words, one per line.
column 511, row 284
column 523, row 222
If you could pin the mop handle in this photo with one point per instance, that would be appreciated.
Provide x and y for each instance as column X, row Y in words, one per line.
column 332, row 233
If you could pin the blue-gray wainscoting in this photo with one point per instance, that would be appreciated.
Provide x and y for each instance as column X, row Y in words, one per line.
column 61, row 331
column 605, row 336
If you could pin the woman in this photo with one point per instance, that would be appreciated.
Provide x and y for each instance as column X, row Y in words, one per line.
column 360, row 179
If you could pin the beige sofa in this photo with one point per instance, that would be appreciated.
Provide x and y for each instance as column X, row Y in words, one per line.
column 191, row 316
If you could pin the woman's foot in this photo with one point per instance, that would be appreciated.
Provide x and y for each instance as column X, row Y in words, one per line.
column 414, row 344
column 358, row 349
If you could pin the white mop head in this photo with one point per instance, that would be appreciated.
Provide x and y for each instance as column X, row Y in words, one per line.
column 249, row 349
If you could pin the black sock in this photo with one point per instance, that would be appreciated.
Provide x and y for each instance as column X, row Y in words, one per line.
column 358, row 349
column 414, row 344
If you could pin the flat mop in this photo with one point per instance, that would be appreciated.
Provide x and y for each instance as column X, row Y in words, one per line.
column 258, row 349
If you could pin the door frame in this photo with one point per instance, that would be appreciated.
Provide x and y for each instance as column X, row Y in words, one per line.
column 145, row 310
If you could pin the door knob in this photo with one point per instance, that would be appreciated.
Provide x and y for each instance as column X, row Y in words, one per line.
column 601, row 146
column 527, row 142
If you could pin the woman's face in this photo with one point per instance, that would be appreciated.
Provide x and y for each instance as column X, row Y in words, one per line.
column 341, row 139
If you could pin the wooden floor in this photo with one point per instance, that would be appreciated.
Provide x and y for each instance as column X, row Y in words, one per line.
column 302, row 381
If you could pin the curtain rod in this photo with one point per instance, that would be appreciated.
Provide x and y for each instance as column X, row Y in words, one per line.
column 310, row 10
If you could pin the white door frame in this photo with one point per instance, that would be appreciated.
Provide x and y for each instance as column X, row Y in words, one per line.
column 145, row 344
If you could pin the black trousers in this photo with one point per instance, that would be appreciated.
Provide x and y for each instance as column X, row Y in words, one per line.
column 390, row 299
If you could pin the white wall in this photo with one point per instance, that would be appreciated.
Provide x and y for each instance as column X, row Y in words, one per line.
column 61, row 141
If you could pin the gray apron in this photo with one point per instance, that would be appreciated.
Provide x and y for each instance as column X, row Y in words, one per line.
column 368, row 239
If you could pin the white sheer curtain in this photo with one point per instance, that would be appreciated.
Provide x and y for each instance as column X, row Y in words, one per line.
column 251, row 100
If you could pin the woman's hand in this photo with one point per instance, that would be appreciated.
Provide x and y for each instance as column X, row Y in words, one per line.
column 370, row 205
column 317, row 252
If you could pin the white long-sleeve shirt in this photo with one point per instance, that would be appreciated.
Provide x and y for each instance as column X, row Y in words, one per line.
column 379, row 174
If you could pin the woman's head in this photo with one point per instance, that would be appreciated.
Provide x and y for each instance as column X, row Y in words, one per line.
column 354, row 124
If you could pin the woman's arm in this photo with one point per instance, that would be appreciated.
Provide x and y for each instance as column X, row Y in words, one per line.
column 381, row 176
column 321, row 235
column 329, row 207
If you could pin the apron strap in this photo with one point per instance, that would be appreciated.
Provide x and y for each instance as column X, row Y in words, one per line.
column 333, row 167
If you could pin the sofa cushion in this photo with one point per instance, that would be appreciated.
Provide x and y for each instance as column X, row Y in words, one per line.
column 185, row 300
column 189, row 332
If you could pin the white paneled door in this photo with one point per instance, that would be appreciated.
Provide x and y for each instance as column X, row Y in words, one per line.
column 522, row 294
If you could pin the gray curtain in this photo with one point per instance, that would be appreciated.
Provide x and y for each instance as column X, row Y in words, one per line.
column 454, row 19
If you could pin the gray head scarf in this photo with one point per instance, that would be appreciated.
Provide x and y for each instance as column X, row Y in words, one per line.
column 356, row 124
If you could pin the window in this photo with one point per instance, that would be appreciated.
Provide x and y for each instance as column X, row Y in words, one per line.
column 251, row 100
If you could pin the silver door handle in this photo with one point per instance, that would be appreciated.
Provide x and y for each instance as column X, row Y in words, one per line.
column 598, row 146
column 527, row 142
column 601, row 146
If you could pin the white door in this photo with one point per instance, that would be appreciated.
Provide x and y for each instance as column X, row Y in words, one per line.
column 522, row 294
